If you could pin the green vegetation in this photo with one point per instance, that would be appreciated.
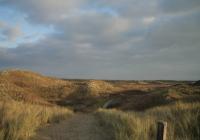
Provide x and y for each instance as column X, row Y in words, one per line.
column 18, row 121
column 183, row 122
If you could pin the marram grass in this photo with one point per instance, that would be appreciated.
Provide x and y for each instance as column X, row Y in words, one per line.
column 183, row 122
column 18, row 121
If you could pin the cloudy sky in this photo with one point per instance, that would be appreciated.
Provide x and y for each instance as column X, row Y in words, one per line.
column 102, row 39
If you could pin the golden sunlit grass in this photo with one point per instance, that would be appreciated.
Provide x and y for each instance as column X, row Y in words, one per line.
column 18, row 121
column 93, row 88
column 32, row 87
column 183, row 122
column 96, row 87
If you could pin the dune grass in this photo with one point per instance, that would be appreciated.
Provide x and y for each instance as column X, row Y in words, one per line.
column 18, row 121
column 183, row 122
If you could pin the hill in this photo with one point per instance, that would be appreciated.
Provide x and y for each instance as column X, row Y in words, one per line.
column 31, row 87
column 88, row 95
column 35, row 88
column 29, row 100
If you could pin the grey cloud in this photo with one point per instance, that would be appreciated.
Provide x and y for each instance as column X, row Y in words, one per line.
column 9, row 32
column 174, row 6
column 140, row 42
column 96, row 29
column 176, row 31
column 2, row 24
column 133, row 8
column 44, row 11
column 12, row 33
column 52, row 11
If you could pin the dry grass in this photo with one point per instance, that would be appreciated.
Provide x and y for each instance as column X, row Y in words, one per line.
column 96, row 87
column 18, row 121
column 125, row 126
column 92, row 88
column 183, row 120
column 142, row 86
column 32, row 87
column 187, row 89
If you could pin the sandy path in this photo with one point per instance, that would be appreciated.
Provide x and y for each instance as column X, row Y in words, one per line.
column 79, row 127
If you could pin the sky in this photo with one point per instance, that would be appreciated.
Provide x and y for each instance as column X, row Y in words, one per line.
column 102, row 39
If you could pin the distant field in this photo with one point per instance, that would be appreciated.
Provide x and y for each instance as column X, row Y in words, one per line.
column 131, row 108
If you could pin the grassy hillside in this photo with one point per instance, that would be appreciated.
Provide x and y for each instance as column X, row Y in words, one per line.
column 29, row 100
column 32, row 87
column 88, row 95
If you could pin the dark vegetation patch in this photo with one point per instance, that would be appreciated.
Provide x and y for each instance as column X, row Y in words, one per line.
column 197, row 83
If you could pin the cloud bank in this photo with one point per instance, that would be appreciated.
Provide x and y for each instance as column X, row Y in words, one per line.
column 157, row 39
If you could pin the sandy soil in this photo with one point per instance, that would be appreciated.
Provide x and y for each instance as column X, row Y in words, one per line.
column 79, row 127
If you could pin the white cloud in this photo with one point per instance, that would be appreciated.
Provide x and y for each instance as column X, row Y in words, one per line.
column 148, row 20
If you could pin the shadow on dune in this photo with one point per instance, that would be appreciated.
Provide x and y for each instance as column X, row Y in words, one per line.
column 138, row 100
column 124, row 100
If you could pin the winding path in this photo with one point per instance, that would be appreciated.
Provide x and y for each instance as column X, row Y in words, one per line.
column 78, row 127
